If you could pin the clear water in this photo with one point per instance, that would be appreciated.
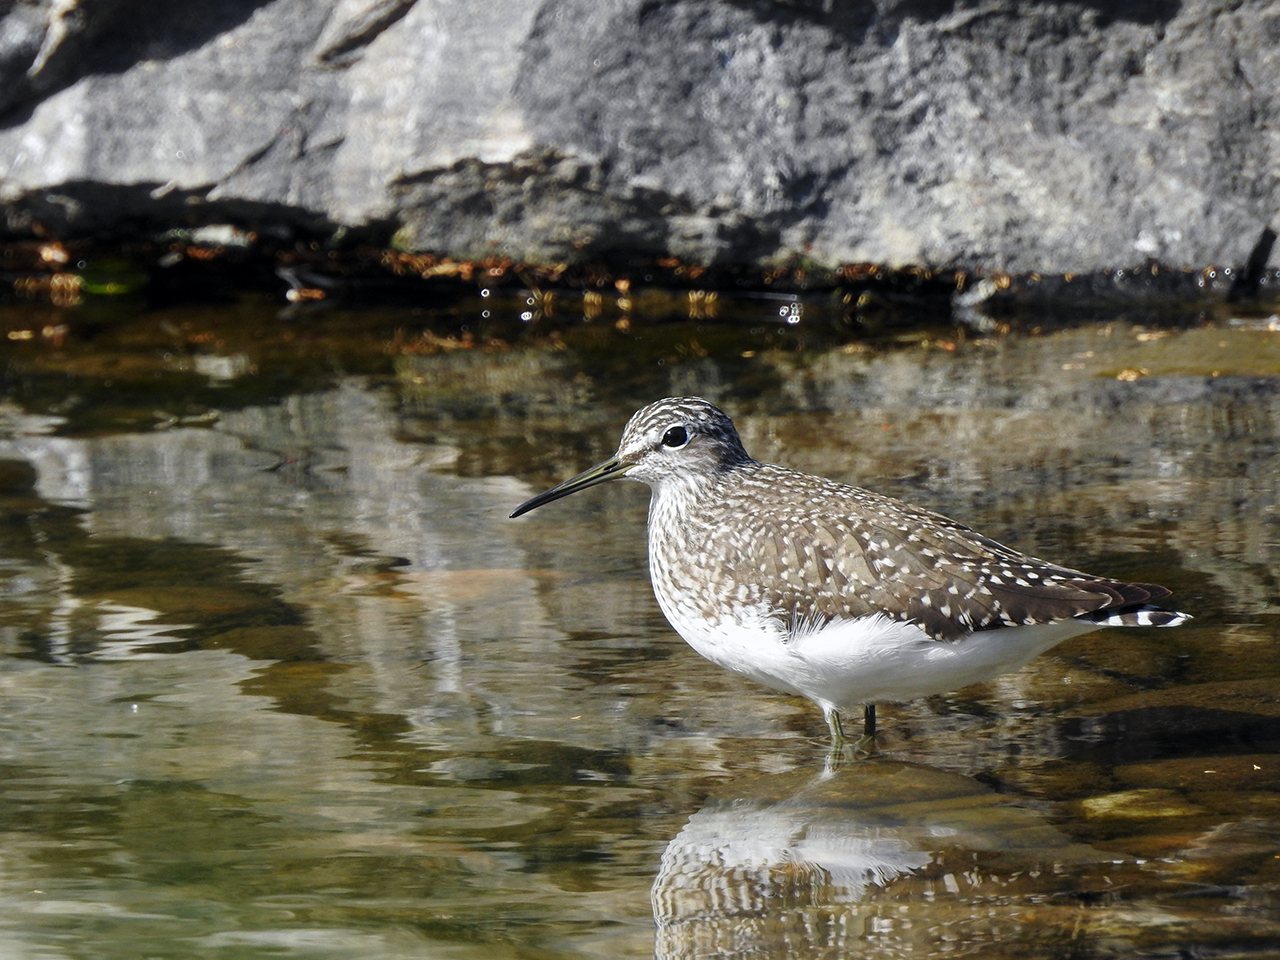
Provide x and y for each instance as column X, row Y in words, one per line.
column 278, row 677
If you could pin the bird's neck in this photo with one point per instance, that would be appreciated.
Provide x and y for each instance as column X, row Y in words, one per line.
column 673, row 500
column 681, row 502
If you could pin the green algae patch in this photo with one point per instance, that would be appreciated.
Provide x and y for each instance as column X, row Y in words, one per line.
column 1219, row 351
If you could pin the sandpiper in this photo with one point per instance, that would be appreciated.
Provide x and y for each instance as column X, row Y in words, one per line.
column 833, row 592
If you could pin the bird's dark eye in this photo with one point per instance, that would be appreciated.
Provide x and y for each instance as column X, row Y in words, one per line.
column 675, row 437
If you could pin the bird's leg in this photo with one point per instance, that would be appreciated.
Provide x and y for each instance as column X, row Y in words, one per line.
column 832, row 716
column 835, row 756
column 865, row 745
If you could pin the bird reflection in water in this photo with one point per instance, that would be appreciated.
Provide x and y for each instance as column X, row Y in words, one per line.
column 880, row 858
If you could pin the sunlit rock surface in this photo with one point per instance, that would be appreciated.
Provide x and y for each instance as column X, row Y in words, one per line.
column 1051, row 137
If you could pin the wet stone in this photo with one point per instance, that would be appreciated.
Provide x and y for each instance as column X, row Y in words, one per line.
column 1144, row 804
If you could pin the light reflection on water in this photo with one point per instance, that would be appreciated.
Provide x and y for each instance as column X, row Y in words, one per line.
column 293, row 684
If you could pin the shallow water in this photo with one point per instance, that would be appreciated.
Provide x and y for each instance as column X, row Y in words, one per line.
column 280, row 678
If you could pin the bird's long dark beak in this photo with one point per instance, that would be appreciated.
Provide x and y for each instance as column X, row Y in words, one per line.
column 611, row 469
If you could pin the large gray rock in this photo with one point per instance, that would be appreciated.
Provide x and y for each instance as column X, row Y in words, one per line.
column 1028, row 137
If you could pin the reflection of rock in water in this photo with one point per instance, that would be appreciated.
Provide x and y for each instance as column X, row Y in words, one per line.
column 882, row 859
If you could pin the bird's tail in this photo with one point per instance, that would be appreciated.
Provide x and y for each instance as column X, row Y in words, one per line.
column 1136, row 615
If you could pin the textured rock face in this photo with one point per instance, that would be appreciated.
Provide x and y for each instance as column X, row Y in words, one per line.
column 1051, row 137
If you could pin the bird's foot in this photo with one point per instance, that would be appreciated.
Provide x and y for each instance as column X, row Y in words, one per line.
column 850, row 751
column 843, row 750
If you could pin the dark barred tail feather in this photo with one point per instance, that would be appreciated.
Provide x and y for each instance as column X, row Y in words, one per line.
column 1137, row 615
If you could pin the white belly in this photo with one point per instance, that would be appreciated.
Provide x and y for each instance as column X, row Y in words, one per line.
column 868, row 660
